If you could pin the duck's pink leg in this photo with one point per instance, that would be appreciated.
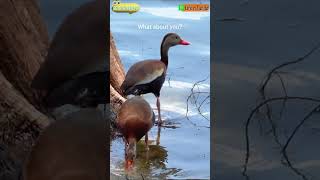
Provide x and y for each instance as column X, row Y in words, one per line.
column 159, row 114
column 146, row 141
column 158, row 135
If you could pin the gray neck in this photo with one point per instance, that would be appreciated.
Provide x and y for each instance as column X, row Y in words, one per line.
column 164, row 53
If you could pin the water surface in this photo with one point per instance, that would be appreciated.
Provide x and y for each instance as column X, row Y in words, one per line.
column 271, row 33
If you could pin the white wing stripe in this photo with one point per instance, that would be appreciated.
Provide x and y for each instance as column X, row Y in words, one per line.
column 150, row 77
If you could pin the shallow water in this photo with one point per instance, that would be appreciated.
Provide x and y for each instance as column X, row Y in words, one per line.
column 272, row 32
column 184, row 152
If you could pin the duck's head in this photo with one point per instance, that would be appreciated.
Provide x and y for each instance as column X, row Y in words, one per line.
column 173, row 39
column 130, row 152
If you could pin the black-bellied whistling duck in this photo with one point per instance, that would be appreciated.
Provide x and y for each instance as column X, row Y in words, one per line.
column 72, row 148
column 148, row 76
column 135, row 118
column 76, row 56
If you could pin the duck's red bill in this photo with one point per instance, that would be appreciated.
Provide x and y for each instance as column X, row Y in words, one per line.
column 183, row 42
column 129, row 164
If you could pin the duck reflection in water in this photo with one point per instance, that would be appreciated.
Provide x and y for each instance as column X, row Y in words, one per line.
column 147, row 161
column 133, row 152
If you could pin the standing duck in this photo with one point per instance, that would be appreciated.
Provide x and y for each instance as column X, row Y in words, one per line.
column 148, row 76
column 135, row 118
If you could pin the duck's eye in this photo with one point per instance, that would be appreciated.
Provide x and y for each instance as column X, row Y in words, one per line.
column 176, row 37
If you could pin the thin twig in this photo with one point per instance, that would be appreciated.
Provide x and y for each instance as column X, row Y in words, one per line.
column 231, row 19
column 264, row 103
column 195, row 96
column 299, row 59
column 284, row 89
column 142, row 177
column 276, row 71
column 284, row 149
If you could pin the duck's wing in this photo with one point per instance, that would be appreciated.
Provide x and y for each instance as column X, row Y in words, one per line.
column 143, row 72
column 135, row 117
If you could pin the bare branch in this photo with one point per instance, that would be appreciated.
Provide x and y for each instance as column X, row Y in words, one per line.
column 194, row 95
column 255, row 110
column 298, row 60
column 265, row 102
column 284, row 149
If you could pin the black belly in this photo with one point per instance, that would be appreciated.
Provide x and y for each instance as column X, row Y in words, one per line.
column 152, row 87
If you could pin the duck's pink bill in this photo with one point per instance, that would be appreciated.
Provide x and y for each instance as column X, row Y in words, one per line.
column 183, row 42
column 128, row 164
